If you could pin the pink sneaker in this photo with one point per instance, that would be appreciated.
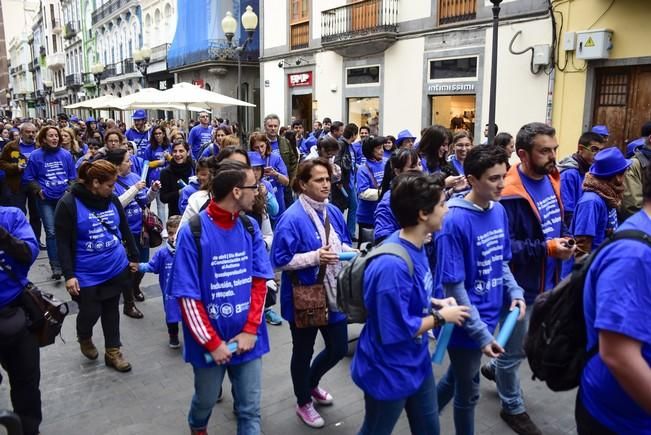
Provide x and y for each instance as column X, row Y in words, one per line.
column 310, row 417
column 321, row 396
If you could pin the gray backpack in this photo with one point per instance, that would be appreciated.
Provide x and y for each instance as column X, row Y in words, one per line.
column 350, row 281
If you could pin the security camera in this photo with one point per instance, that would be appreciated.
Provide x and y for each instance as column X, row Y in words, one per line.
column 280, row 64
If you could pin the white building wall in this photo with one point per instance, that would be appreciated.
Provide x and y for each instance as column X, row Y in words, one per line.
column 276, row 23
column 414, row 9
column 328, row 85
column 274, row 99
column 315, row 14
column 403, row 78
column 514, row 80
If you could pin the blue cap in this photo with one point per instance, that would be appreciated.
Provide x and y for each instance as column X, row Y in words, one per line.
column 404, row 134
column 600, row 129
column 74, row 118
column 608, row 163
column 90, row 119
column 256, row 159
column 139, row 114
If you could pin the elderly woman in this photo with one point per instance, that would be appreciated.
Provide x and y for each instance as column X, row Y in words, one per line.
column 307, row 241
column 50, row 169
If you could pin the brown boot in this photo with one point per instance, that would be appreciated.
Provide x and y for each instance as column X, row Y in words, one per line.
column 88, row 349
column 113, row 358
column 132, row 311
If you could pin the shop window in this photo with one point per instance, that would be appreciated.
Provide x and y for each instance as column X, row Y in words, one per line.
column 456, row 112
column 368, row 75
column 458, row 68
column 365, row 111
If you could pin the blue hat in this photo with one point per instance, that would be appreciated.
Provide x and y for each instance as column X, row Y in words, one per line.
column 139, row 114
column 632, row 146
column 255, row 159
column 90, row 119
column 608, row 163
column 600, row 129
column 404, row 134
column 74, row 118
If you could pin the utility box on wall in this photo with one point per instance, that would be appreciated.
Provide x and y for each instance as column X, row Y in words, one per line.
column 594, row 44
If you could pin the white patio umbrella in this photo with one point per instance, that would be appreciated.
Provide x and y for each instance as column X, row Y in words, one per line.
column 188, row 95
column 151, row 98
column 103, row 102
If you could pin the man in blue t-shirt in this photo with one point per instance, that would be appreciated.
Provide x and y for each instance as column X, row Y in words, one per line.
column 573, row 169
column 474, row 250
column 221, row 288
column 539, row 244
column 138, row 134
column 201, row 135
column 615, row 391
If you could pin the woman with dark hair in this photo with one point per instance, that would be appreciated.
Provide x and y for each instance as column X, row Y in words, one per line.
column 505, row 141
column 404, row 160
column 389, row 146
column 197, row 182
column 92, row 233
column 369, row 180
column 275, row 171
column 158, row 154
column 307, row 242
column 176, row 176
column 218, row 135
column 433, row 148
column 50, row 169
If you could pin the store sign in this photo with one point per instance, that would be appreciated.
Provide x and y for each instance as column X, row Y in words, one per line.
column 299, row 79
column 451, row 88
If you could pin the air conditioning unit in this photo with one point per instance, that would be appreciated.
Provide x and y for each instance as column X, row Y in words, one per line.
column 594, row 44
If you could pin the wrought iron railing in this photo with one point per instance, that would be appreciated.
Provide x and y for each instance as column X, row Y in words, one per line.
column 359, row 19
column 71, row 29
column 73, row 80
column 107, row 9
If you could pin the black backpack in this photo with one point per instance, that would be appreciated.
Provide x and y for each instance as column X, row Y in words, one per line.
column 350, row 280
column 556, row 342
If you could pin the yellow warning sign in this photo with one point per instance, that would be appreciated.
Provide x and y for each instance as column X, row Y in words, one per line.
column 589, row 42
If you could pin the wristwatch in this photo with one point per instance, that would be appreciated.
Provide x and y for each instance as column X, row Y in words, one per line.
column 439, row 320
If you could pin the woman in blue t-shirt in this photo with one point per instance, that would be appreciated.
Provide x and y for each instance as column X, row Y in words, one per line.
column 369, row 180
column 308, row 238
column 461, row 145
column 92, row 233
column 275, row 170
column 433, row 149
column 158, row 154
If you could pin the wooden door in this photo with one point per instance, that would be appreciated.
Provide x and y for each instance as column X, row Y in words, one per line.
column 639, row 111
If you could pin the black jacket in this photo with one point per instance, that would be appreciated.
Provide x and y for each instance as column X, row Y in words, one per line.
column 169, row 190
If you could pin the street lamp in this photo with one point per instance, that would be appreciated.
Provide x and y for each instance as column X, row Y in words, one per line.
column 229, row 26
column 97, row 70
column 142, row 58
column 47, row 87
column 493, row 88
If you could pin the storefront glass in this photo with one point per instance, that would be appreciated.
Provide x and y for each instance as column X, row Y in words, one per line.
column 365, row 111
column 456, row 112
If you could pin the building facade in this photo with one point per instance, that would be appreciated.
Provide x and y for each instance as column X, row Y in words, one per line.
column 73, row 35
column 396, row 64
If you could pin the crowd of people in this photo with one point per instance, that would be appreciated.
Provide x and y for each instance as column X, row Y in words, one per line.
column 250, row 221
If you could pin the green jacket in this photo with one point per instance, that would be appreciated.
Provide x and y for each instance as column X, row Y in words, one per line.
column 289, row 155
column 633, row 186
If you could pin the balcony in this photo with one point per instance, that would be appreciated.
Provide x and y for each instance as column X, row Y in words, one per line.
column 56, row 60
column 56, row 26
column 108, row 9
column 454, row 11
column 299, row 35
column 128, row 66
column 359, row 28
column 71, row 29
column 159, row 53
column 73, row 81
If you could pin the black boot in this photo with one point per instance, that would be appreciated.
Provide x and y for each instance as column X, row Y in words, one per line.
column 137, row 293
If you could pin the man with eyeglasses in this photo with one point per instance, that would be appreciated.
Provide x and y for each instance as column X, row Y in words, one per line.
column 573, row 169
column 201, row 135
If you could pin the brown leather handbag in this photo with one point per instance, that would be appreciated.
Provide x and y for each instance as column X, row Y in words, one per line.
column 310, row 301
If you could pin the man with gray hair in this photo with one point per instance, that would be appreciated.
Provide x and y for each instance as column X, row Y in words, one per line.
column 281, row 146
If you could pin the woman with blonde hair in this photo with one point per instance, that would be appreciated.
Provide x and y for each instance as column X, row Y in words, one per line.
column 69, row 142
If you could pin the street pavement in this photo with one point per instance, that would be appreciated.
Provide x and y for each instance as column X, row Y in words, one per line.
column 81, row 396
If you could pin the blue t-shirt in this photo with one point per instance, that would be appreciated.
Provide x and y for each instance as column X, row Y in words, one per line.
column 275, row 149
column 385, row 220
column 13, row 220
column 617, row 298
column 365, row 208
column 140, row 138
column 471, row 248
column 53, row 170
column 133, row 210
column 457, row 164
column 186, row 193
column 210, row 151
column 359, row 157
column 99, row 254
column 571, row 188
column 152, row 155
column 276, row 162
column 26, row 149
column 593, row 217
column 161, row 264
column 198, row 137
column 294, row 234
column 544, row 197
column 391, row 361
column 222, row 282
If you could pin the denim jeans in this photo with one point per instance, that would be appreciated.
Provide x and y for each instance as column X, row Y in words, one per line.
column 461, row 381
column 246, row 381
column 306, row 376
column 507, row 366
column 46, row 209
column 382, row 415
column 351, row 219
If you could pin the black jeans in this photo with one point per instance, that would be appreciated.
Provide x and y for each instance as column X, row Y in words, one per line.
column 586, row 424
column 306, row 376
column 173, row 328
column 34, row 215
column 20, row 357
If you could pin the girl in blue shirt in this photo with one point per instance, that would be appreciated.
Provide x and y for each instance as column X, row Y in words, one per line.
column 461, row 145
column 369, row 180
column 158, row 153
column 275, row 170
column 392, row 361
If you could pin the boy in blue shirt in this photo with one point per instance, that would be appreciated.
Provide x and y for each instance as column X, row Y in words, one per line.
column 474, row 251
column 161, row 264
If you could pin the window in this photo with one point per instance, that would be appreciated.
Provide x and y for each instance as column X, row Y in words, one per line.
column 458, row 68
column 365, row 111
column 367, row 75
column 299, row 24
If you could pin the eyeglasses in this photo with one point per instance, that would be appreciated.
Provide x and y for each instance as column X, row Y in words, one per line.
column 255, row 186
column 593, row 149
